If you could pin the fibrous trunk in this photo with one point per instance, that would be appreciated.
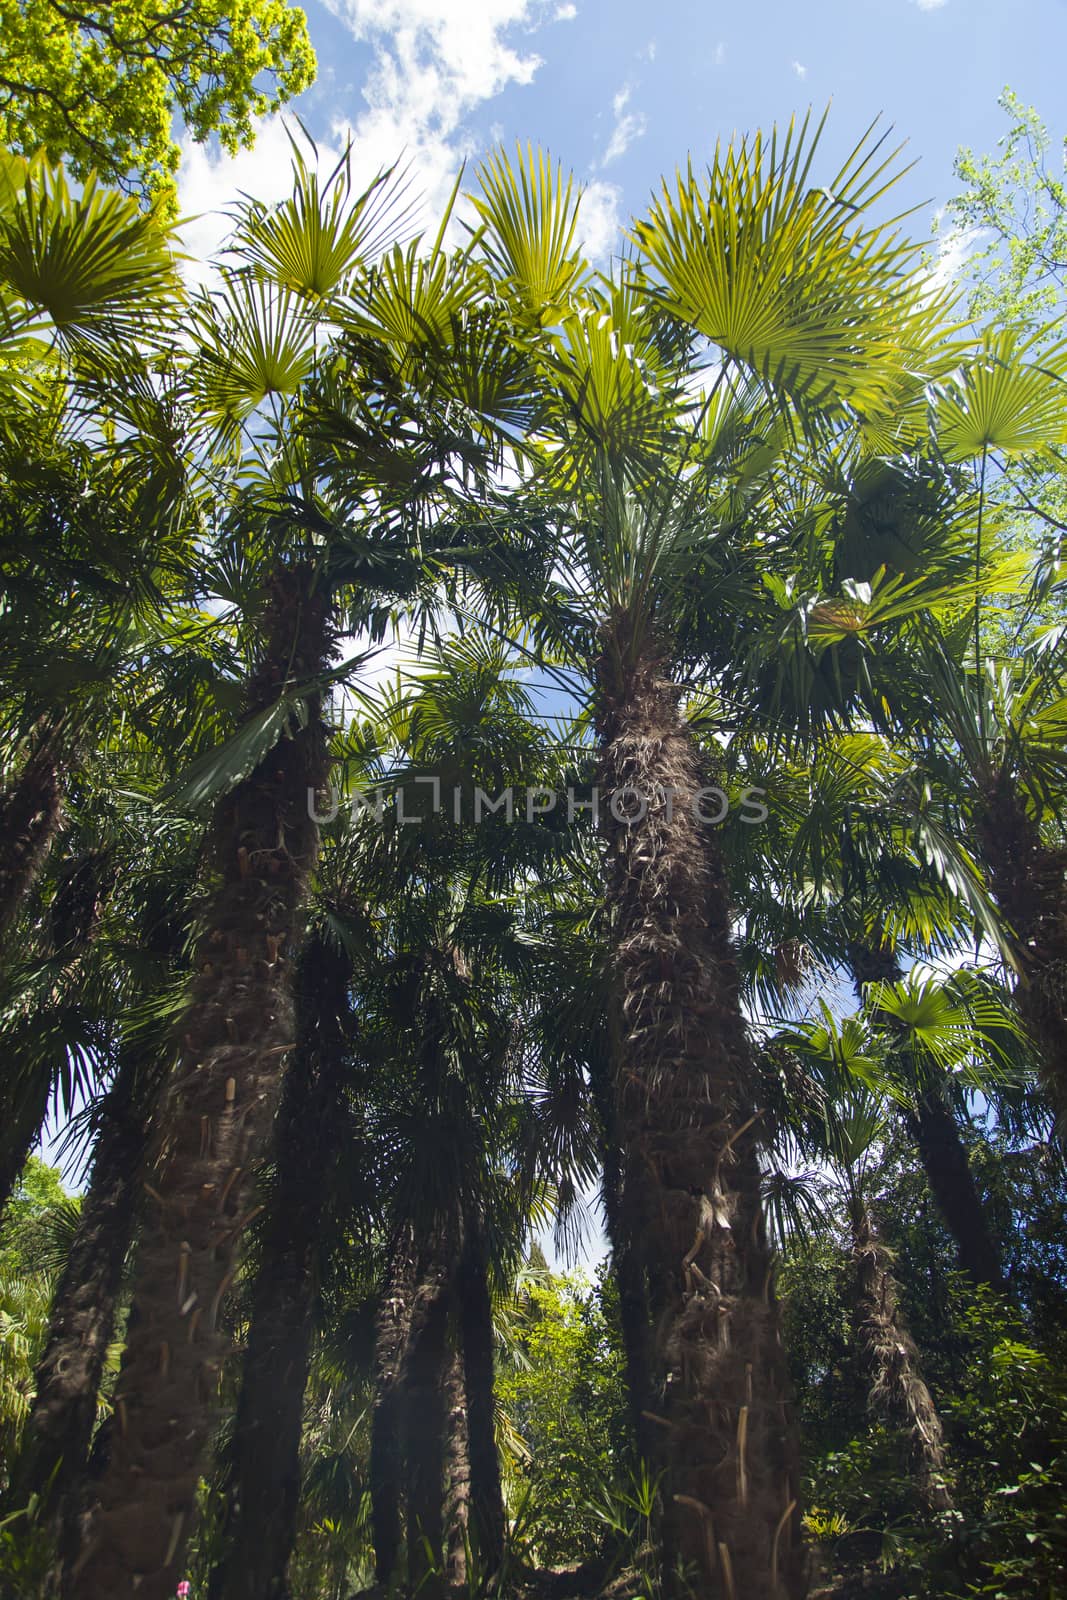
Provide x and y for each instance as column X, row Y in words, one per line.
column 264, row 1460
column 1029, row 880
column 386, row 1449
column 30, row 809
column 629, row 1279
column 59, row 1429
column 717, row 1401
column 423, row 1382
column 236, row 1033
column 457, row 1506
column 932, row 1126
column 897, row 1386
column 476, row 1331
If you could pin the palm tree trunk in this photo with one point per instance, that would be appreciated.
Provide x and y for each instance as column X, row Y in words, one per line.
column 933, row 1128
column 264, row 1462
column 237, row 1032
column 457, row 1508
column 386, row 1446
column 423, row 1381
column 30, row 810
column 1029, row 880
column 683, row 1076
column 476, row 1326
column 936, row 1133
column 892, row 1360
column 629, row 1278
column 59, row 1430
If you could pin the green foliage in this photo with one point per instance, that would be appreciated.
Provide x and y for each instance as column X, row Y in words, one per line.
column 33, row 1240
column 103, row 86
column 1018, row 201
column 999, row 1385
column 563, row 1390
column 1008, row 1422
column 38, row 1220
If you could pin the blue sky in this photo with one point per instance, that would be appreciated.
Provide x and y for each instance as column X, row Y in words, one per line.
column 622, row 93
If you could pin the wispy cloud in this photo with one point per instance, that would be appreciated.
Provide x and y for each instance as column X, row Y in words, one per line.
column 565, row 13
column 432, row 63
column 718, row 55
column 929, row 5
column 598, row 219
column 629, row 125
column 955, row 246
column 800, row 69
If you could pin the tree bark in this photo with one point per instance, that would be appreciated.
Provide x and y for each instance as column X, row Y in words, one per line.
column 683, row 1079
column 59, row 1430
column 236, row 1034
column 457, row 1507
column 423, row 1381
column 932, row 1126
column 1029, row 881
column 476, row 1327
column 892, row 1360
column 264, row 1462
column 633, row 1298
column 30, row 811
column 386, row 1447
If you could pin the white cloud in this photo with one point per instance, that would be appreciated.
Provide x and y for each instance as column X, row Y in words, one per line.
column 930, row 5
column 433, row 62
column 954, row 247
column 565, row 13
column 649, row 51
column 598, row 219
column 718, row 55
column 800, row 69
column 629, row 125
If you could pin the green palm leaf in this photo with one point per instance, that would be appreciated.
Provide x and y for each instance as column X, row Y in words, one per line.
column 784, row 277
column 315, row 240
column 530, row 218
column 255, row 343
column 91, row 267
column 1002, row 402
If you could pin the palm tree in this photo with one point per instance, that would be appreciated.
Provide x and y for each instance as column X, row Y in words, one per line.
column 122, row 955
column 313, row 561
column 392, row 1329
column 932, row 1124
column 1004, row 722
column 263, row 1466
column 460, row 722
column 845, row 1131
column 83, row 280
column 854, row 850
column 797, row 330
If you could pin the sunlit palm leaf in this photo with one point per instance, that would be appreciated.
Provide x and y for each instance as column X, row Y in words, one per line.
column 316, row 239
column 530, row 218
column 785, row 278
column 255, row 344
column 1003, row 402
column 94, row 267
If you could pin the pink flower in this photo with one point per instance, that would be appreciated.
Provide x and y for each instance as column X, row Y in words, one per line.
column 184, row 1590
